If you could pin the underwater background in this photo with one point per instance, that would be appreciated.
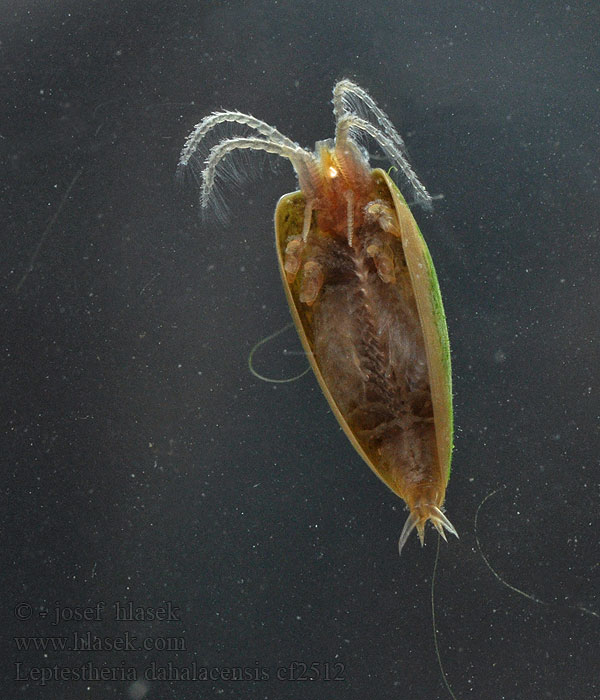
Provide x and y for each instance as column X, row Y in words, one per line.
column 227, row 522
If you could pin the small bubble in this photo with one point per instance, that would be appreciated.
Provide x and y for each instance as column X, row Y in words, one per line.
column 138, row 690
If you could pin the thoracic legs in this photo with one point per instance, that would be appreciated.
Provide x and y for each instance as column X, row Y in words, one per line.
column 312, row 271
column 383, row 214
column 312, row 281
column 293, row 258
column 383, row 257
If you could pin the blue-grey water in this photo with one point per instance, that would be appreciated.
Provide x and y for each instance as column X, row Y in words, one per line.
column 145, row 464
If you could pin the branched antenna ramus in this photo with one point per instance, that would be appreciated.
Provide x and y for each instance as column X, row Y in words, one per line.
column 343, row 131
column 342, row 106
column 303, row 161
column 212, row 120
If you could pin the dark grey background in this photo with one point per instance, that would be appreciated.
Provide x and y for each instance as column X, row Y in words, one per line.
column 143, row 462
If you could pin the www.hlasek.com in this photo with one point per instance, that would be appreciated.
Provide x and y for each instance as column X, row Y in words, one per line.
column 88, row 641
